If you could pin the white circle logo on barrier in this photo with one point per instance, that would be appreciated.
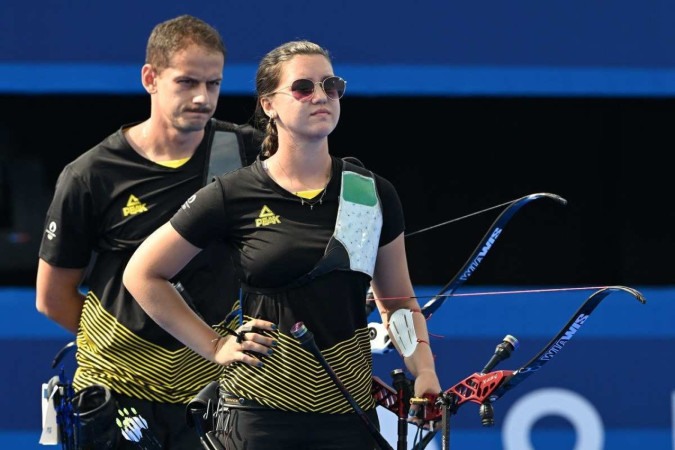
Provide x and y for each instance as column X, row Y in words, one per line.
column 538, row 404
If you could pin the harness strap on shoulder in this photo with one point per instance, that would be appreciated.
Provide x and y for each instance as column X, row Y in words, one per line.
column 224, row 150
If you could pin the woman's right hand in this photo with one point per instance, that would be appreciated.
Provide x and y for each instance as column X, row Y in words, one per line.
column 248, row 346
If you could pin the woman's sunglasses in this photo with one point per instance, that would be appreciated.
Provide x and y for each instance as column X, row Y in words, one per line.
column 303, row 89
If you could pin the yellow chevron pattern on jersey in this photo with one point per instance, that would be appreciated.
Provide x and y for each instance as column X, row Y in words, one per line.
column 110, row 354
column 291, row 379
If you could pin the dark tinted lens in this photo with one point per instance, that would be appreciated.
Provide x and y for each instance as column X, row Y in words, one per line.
column 302, row 88
column 334, row 87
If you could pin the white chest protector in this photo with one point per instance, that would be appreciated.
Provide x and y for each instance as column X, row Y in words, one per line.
column 359, row 221
column 356, row 237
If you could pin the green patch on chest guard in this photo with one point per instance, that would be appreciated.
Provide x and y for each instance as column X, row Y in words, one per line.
column 358, row 189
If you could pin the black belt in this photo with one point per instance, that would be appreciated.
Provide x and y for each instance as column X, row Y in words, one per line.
column 234, row 401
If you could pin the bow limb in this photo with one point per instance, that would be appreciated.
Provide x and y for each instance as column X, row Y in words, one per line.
column 566, row 333
column 512, row 207
column 379, row 339
column 482, row 249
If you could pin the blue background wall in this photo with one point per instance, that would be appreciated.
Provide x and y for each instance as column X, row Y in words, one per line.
column 397, row 47
column 619, row 363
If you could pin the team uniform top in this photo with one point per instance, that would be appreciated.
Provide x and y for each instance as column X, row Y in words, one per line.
column 107, row 201
column 276, row 239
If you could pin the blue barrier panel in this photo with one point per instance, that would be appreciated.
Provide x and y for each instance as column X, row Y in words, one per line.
column 434, row 48
column 609, row 388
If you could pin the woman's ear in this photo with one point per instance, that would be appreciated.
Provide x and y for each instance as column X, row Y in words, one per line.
column 266, row 105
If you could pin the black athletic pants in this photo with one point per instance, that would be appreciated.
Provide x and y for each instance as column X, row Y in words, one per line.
column 265, row 429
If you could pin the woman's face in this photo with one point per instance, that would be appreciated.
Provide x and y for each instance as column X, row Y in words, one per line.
column 299, row 115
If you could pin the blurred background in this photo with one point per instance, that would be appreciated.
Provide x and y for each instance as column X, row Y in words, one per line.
column 463, row 106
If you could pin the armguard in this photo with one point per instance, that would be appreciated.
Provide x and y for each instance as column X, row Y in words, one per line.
column 402, row 331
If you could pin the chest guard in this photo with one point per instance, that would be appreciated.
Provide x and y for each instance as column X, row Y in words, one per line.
column 355, row 240
column 359, row 221
column 358, row 225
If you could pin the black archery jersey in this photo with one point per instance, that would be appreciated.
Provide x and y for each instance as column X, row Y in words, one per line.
column 277, row 238
column 106, row 203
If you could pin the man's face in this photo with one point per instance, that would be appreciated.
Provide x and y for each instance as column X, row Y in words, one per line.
column 187, row 91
